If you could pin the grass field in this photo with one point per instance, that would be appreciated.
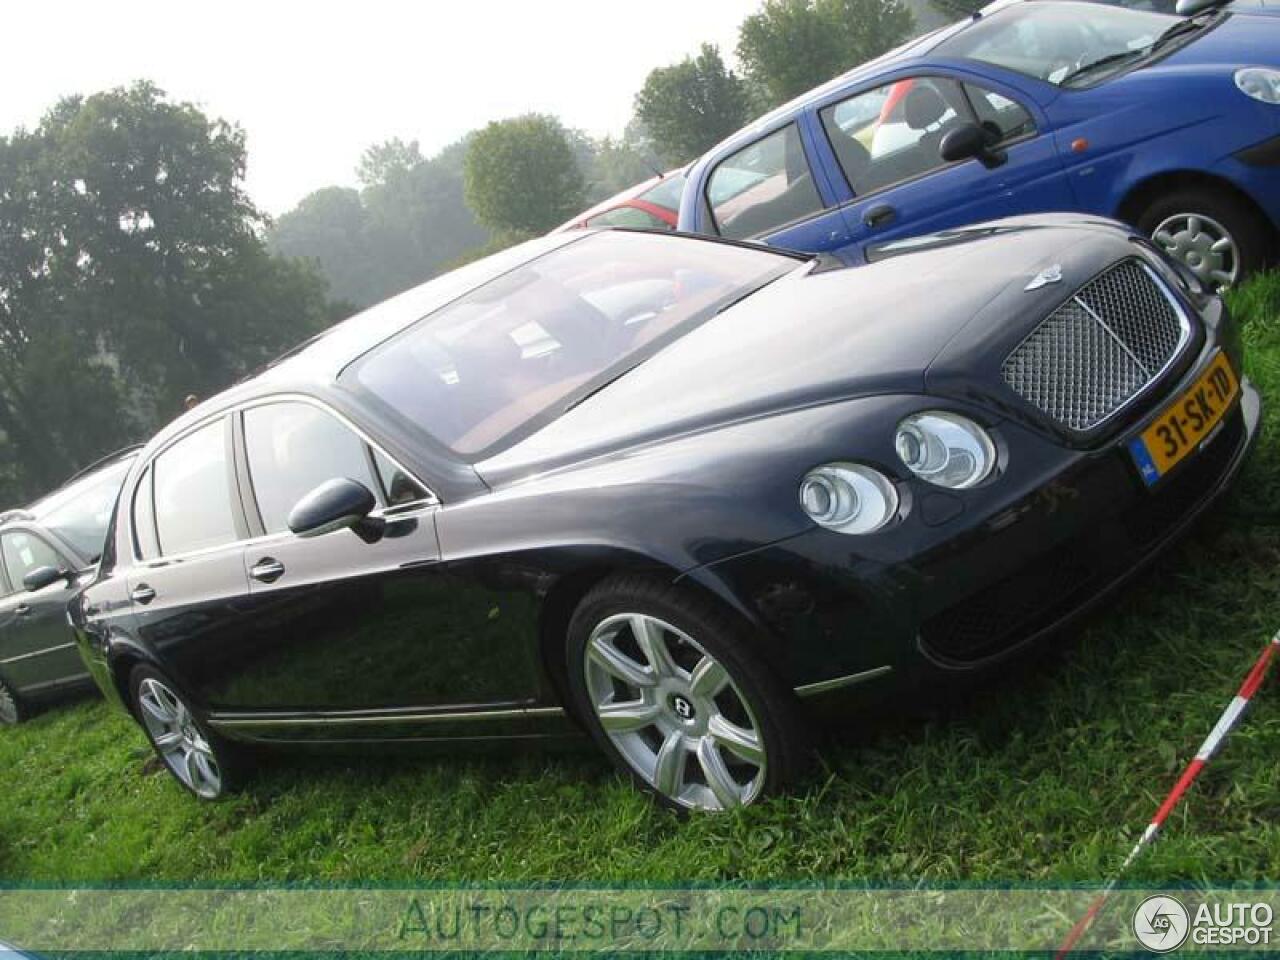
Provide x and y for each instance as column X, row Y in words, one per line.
column 1047, row 776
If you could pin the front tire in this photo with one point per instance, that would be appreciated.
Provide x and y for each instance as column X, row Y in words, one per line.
column 201, row 761
column 12, row 709
column 1218, row 236
column 672, row 692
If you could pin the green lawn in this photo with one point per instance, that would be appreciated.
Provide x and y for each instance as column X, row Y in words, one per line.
column 1049, row 776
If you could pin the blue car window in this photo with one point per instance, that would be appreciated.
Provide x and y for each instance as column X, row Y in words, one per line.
column 893, row 133
column 763, row 187
column 1058, row 42
column 999, row 113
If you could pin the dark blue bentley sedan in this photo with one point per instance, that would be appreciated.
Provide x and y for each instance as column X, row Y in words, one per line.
column 1169, row 123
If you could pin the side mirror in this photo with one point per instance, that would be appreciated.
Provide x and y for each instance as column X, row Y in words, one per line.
column 970, row 142
column 42, row 577
column 338, row 504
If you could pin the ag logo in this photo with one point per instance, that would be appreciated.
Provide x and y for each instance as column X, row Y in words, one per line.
column 1161, row 924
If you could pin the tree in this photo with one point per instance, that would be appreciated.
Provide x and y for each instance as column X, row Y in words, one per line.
column 131, row 274
column 405, row 226
column 691, row 106
column 521, row 175
column 792, row 46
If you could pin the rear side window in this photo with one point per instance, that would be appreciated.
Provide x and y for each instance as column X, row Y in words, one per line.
column 24, row 552
column 192, row 494
column 763, row 187
column 144, row 519
column 629, row 217
column 293, row 448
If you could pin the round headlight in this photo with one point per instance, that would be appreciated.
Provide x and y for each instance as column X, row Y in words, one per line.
column 1261, row 83
column 848, row 498
column 945, row 449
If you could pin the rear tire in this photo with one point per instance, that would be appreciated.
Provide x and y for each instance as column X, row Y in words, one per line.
column 671, row 690
column 203, row 763
column 12, row 709
column 1220, row 237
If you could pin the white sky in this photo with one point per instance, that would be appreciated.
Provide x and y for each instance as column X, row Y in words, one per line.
column 314, row 83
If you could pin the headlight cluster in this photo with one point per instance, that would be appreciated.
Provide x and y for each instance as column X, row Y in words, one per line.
column 944, row 449
column 1261, row 83
column 848, row 497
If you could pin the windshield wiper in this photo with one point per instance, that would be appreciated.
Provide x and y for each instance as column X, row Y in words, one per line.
column 1179, row 29
column 1107, row 61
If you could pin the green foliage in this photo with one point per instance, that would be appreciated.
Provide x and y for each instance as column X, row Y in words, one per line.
column 521, row 175
column 692, row 105
column 960, row 8
column 792, row 46
column 131, row 274
column 407, row 223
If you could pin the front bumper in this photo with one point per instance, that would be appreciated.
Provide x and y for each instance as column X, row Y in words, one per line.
column 1000, row 581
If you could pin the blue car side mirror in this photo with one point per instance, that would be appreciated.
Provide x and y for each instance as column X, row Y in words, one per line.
column 969, row 141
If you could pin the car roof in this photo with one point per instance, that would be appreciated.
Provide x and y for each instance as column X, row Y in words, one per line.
column 618, row 199
column 912, row 50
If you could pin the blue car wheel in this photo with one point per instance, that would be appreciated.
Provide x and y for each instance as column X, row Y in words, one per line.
column 1219, row 237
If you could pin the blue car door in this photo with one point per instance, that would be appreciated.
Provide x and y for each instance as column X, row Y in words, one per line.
column 884, row 143
column 770, row 191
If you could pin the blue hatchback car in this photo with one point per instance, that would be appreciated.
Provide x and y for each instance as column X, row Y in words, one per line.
column 1169, row 123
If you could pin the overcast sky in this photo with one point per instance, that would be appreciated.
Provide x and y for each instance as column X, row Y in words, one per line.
column 314, row 83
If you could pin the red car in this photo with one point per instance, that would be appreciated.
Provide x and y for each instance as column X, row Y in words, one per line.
column 654, row 204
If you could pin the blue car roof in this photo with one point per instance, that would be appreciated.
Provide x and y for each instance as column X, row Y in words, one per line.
column 911, row 50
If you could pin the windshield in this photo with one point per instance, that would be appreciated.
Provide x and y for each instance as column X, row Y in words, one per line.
column 552, row 330
column 1060, row 42
column 80, row 513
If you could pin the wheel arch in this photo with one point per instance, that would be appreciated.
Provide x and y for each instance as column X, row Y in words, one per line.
column 560, row 602
column 1144, row 192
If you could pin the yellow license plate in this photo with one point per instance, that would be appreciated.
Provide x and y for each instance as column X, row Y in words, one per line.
column 1184, row 424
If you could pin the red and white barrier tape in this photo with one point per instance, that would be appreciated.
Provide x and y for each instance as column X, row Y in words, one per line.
column 1226, row 723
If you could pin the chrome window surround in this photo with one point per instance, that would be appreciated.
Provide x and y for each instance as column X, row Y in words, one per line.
column 400, row 511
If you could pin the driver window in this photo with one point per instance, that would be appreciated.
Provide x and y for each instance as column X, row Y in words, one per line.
column 893, row 133
column 294, row 447
column 24, row 552
column 998, row 114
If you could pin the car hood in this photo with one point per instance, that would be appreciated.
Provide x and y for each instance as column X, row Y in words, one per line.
column 827, row 332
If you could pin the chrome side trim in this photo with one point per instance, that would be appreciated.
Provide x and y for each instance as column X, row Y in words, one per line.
column 37, row 653
column 410, row 716
column 826, row 686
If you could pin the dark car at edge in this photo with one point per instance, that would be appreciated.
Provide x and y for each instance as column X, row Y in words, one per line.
column 47, row 552
column 677, row 490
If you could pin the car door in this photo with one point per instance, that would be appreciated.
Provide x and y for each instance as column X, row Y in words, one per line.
column 769, row 191
column 186, row 583
column 341, row 624
column 37, row 647
column 886, row 143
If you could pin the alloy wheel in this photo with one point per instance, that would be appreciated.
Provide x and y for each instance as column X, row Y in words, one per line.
column 177, row 737
column 1204, row 245
column 674, row 713
column 8, row 706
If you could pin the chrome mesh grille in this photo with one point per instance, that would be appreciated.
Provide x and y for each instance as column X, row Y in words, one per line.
column 1099, row 349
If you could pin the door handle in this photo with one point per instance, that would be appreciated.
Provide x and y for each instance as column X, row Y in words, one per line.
column 142, row 594
column 879, row 215
column 267, row 570
column 22, row 609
